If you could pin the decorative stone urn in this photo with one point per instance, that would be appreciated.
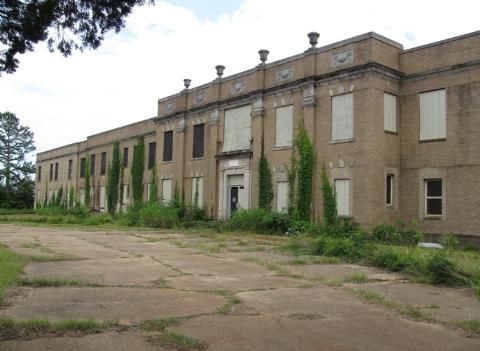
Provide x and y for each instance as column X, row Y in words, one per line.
column 220, row 69
column 263, row 55
column 186, row 83
column 313, row 36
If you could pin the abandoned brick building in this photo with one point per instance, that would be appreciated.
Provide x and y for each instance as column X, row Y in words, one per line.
column 398, row 132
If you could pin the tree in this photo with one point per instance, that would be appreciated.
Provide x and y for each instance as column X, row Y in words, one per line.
column 265, row 191
column 329, row 201
column 138, row 166
column 305, row 173
column 16, row 141
column 113, row 179
column 66, row 25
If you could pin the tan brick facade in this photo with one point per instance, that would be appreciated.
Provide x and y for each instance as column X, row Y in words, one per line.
column 366, row 66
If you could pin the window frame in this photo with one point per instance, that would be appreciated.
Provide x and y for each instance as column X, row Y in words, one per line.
column 51, row 172
column 444, row 121
column 125, row 157
column 395, row 97
column 93, row 159
column 426, row 197
column 390, row 188
column 349, row 214
column 289, row 143
column 70, row 169
column 152, row 154
column 103, row 163
column 351, row 136
column 83, row 166
column 165, row 149
column 39, row 175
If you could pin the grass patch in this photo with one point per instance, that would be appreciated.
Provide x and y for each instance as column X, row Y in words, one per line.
column 356, row 278
column 11, row 267
column 231, row 301
column 471, row 326
column 12, row 329
column 33, row 245
column 179, row 342
column 41, row 282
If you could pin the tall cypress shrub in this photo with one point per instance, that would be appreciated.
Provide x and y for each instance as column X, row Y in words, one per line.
column 113, row 179
column 153, row 196
column 138, row 165
column 305, row 174
column 329, row 201
column 265, row 194
column 87, row 183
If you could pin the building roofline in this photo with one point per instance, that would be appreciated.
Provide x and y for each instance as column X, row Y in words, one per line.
column 441, row 42
column 59, row 147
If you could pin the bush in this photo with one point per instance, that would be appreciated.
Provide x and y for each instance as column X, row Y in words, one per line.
column 450, row 242
column 259, row 220
column 442, row 270
column 348, row 248
column 154, row 215
column 385, row 233
column 301, row 227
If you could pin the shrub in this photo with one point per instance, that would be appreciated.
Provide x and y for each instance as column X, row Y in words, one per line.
column 329, row 202
column 265, row 193
column 450, row 241
column 259, row 220
column 301, row 227
column 158, row 216
column 411, row 237
column 442, row 270
column 348, row 248
column 386, row 233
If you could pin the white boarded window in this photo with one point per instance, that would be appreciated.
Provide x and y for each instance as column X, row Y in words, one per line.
column 125, row 194
column 342, row 194
column 342, row 117
column 102, row 198
column 82, row 196
column 50, row 194
column 197, row 187
column 237, row 129
column 92, row 195
column 433, row 121
column 390, row 113
column 282, row 196
column 149, row 189
column 283, row 126
column 166, row 191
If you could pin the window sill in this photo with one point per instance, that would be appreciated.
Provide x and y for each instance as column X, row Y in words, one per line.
column 432, row 140
column 198, row 158
column 433, row 218
column 167, row 162
column 278, row 148
column 390, row 132
column 342, row 141
column 390, row 207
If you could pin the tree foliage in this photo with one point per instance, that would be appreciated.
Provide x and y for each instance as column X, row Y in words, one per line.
column 86, row 194
column 138, row 166
column 66, row 25
column 114, row 170
column 265, row 193
column 153, row 195
column 16, row 141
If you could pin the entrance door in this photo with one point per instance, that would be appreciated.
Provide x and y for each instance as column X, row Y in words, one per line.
column 233, row 199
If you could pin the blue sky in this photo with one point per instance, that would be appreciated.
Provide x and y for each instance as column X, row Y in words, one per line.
column 209, row 9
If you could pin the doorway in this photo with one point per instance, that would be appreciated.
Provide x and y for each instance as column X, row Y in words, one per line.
column 236, row 193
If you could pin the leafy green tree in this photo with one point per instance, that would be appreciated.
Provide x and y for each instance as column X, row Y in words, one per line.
column 66, row 25
column 305, row 173
column 16, row 141
column 329, row 201
column 86, row 188
column 114, row 170
column 265, row 191
column 138, row 166
column 153, row 196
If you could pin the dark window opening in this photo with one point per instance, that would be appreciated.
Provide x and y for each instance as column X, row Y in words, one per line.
column 433, row 197
column 56, row 170
column 389, row 189
column 125, row 157
column 198, row 140
column 39, row 176
column 103, row 163
column 92, row 165
column 51, row 172
column 82, row 167
column 168, row 145
column 152, row 154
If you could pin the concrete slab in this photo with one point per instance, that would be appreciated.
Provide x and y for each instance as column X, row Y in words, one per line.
column 125, row 271
column 331, row 271
column 368, row 331
column 112, row 341
column 125, row 305
column 442, row 303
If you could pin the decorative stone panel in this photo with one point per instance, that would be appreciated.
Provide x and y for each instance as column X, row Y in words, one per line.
column 341, row 58
column 284, row 74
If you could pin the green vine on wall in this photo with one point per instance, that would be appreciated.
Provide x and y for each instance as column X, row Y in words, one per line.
column 86, row 194
column 305, row 169
column 114, row 169
column 265, row 193
column 329, row 201
column 138, row 165
column 153, row 195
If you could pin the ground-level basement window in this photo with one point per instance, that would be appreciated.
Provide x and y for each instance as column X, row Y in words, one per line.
column 433, row 197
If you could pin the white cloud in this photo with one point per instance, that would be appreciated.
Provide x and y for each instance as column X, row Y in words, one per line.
column 66, row 99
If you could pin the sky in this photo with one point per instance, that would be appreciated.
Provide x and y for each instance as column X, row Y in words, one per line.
column 63, row 100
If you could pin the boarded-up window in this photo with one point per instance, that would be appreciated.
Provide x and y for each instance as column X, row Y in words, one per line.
column 51, row 172
column 82, row 167
column 168, row 145
column 433, row 122
column 152, row 154
column 283, row 126
column 50, row 194
column 56, row 170
column 282, row 196
column 197, row 191
column 82, row 196
column 198, row 140
column 92, row 196
column 70, row 169
column 342, row 117
column 125, row 157
column 237, row 129
column 103, row 163
column 102, row 198
column 149, row 189
column 342, row 194
column 39, row 175
column 92, row 165
column 390, row 113
column 166, row 191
